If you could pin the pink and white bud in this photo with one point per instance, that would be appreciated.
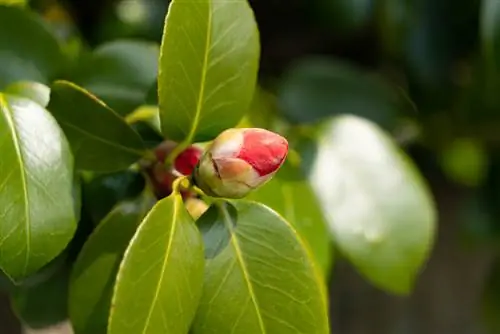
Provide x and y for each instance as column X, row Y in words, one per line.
column 240, row 160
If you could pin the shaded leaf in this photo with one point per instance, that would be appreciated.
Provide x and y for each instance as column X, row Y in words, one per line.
column 101, row 140
column 160, row 278
column 45, row 304
column 28, row 49
column 316, row 88
column 379, row 209
column 120, row 73
column 94, row 272
column 346, row 16
column 34, row 91
column 102, row 192
column 207, row 81
column 261, row 279
column 36, row 184
column 290, row 194
column 490, row 32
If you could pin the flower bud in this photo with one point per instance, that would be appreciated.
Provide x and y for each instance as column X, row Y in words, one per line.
column 187, row 160
column 240, row 160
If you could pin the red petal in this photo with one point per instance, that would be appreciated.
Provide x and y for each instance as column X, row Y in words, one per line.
column 187, row 160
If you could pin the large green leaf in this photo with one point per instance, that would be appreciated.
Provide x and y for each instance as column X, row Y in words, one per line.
column 34, row 91
column 159, row 282
column 290, row 194
column 100, row 139
column 94, row 272
column 259, row 276
column 36, row 184
column 28, row 49
column 490, row 31
column 208, row 67
column 379, row 209
column 120, row 73
column 316, row 88
column 44, row 304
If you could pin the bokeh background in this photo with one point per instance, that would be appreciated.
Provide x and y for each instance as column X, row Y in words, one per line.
column 443, row 56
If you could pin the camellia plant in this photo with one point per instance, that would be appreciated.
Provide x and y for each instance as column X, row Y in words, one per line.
column 144, row 198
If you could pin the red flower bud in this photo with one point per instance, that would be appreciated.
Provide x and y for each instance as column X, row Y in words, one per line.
column 240, row 160
column 187, row 160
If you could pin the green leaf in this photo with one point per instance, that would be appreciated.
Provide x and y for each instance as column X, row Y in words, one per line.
column 316, row 88
column 13, row 2
column 34, row 91
column 207, row 81
column 259, row 276
column 344, row 16
column 490, row 32
column 100, row 139
column 45, row 304
column 379, row 208
column 120, row 73
column 28, row 49
column 490, row 305
column 94, row 272
column 36, row 184
column 159, row 282
column 102, row 192
column 290, row 194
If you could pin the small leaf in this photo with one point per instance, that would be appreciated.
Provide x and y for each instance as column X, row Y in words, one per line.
column 379, row 209
column 120, row 73
column 259, row 276
column 94, row 272
column 28, row 49
column 36, row 184
column 34, row 91
column 45, row 304
column 102, row 192
column 207, row 81
column 290, row 194
column 160, row 279
column 317, row 88
column 100, row 139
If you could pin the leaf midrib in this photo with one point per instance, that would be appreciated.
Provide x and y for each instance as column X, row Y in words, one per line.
column 164, row 264
column 241, row 261
column 199, row 104
column 15, row 137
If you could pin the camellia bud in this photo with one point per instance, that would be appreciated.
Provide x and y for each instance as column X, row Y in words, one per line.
column 240, row 160
column 187, row 160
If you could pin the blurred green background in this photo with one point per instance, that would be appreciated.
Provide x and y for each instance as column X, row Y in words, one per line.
column 427, row 71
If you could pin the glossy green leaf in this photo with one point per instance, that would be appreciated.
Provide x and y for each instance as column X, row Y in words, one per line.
column 94, row 272
column 316, row 88
column 208, row 67
column 159, row 282
column 102, row 192
column 34, row 91
column 380, row 211
column 36, row 183
column 120, row 73
column 259, row 276
column 28, row 49
column 44, row 304
column 101, row 140
column 490, row 31
column 290, row 194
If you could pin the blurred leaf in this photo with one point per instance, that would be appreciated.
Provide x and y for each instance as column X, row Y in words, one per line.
column 290, row 194
column 465, row 161
column 161, row 274
column 380, row 211
column 94, row 272
column 13, row 2
column 207, row 82
column 100, row 139
column 36, row 184
column 490, row 32
column 491, row 301
column 346, row 16
column 263, row 109
column 120, row 73
column 102, row 192
column 45, row 304
column 394, row 20
column 316, row 88
column 28, row 49
column 262, row 279
column 34, row 91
